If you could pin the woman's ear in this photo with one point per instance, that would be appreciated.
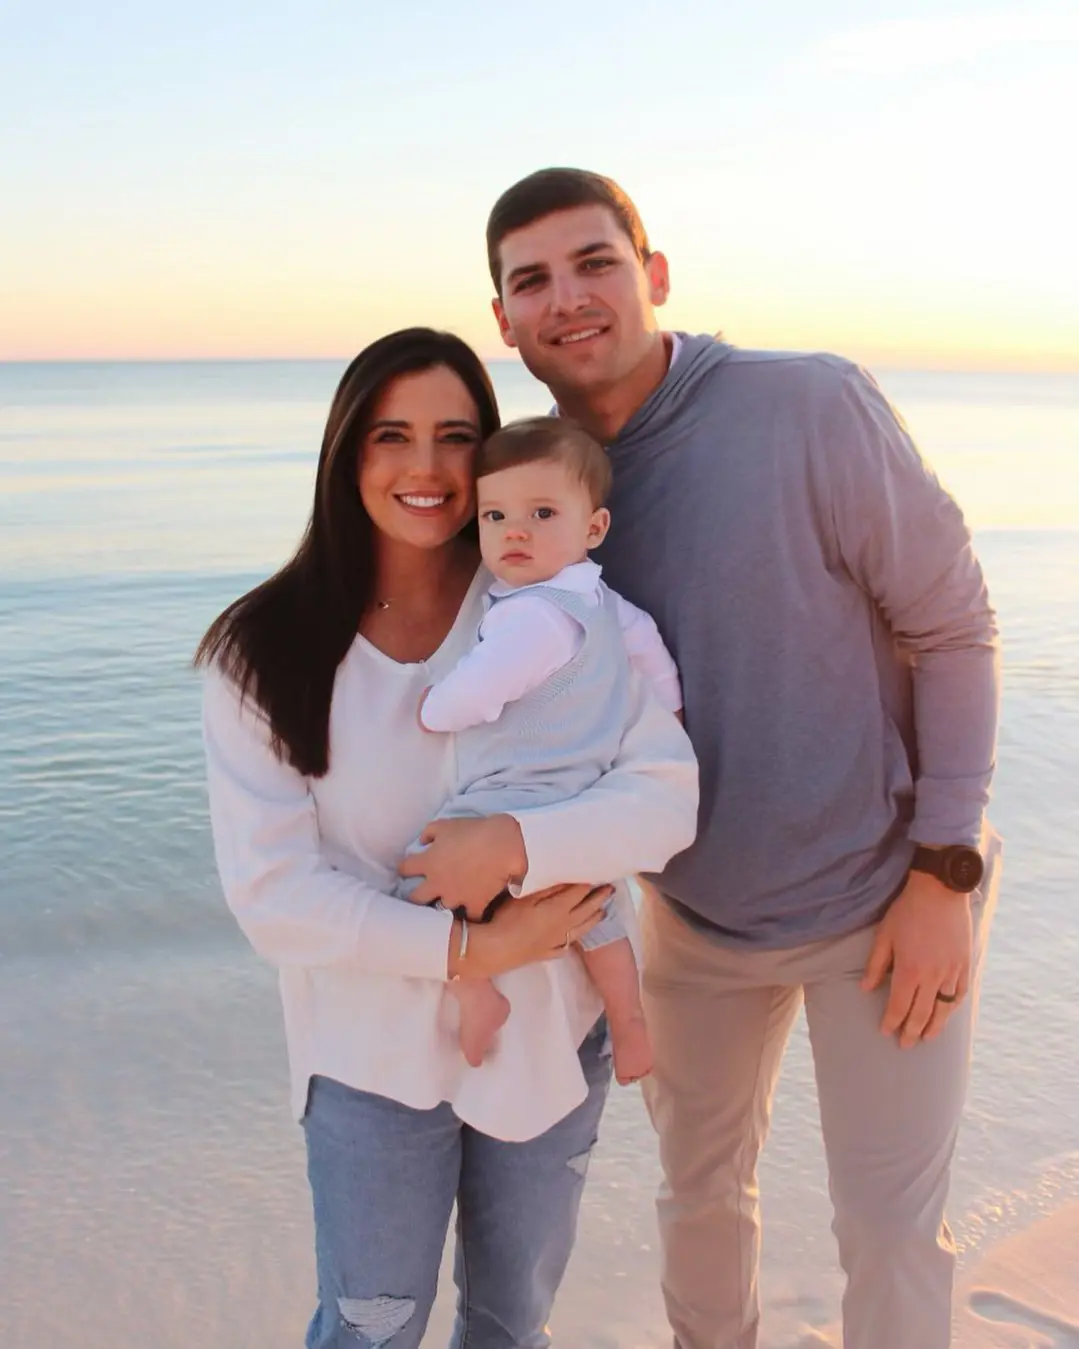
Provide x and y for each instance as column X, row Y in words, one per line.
column 598, row 527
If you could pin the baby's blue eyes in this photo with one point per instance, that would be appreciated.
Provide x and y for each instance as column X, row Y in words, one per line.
column 540, row 513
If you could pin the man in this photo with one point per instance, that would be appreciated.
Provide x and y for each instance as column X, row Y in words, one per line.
column 839, row 660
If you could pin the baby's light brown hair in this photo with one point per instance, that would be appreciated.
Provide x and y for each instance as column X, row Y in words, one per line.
column 534, row 439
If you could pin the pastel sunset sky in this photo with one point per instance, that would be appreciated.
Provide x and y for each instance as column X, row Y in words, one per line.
column 214, row 179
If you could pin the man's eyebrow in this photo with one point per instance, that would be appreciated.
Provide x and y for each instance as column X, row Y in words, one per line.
column 526, row 269
column 600, row 246
column 535, row 268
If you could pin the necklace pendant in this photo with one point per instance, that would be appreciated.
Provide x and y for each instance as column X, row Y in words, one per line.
column 383, row 604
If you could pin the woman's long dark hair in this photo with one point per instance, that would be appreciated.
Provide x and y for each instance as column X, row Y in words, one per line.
column 282, row 642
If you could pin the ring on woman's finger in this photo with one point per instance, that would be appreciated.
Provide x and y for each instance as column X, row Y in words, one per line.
column 567, row 943
column 947, row 997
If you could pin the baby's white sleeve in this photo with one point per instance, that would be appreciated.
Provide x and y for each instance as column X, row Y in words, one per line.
column 523, row 641
column 648, row 654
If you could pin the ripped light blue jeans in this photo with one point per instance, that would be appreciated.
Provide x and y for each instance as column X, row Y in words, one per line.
column 384, row 1178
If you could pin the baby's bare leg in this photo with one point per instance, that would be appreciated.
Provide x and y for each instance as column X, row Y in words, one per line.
column 613, row 970
column 483, row 1013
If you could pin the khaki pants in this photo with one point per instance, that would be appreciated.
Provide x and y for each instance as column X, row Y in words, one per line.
column 720, row 1019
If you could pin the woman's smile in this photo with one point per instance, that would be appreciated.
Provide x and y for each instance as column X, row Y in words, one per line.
column 424, row 503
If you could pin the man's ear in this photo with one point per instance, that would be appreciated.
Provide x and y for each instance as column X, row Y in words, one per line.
column 659, row 278
column 503, row 323
column 598, row 527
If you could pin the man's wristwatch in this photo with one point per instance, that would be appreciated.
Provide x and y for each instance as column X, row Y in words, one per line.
column 959, row 867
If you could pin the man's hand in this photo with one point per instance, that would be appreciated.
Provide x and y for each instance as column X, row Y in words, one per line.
column 467, row 862
column 926, row 940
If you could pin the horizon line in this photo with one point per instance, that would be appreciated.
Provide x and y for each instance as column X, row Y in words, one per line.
column 882, row 362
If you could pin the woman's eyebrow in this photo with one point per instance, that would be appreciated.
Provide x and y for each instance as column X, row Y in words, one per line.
column 388, row 423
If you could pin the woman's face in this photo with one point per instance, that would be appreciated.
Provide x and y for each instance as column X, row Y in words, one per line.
column 415, row 466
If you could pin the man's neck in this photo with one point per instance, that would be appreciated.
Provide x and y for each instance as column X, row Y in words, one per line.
column 604, row 412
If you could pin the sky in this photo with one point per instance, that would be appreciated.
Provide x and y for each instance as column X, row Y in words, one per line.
column 220, row 179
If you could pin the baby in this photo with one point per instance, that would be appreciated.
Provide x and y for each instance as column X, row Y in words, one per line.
column 541, row 703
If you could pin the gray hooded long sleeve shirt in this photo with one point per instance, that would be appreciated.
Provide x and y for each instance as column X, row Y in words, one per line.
column 839, row 655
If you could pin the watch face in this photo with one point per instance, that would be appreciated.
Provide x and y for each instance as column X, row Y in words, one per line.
column 963, row 869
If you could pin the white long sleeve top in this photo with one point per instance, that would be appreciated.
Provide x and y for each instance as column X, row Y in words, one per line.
column 307, row 864
column 524, row 643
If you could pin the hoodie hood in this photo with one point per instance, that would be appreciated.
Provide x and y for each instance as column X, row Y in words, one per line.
column 644, row 433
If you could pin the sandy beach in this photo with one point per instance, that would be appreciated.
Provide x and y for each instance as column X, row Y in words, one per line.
column 1026, row 1291
column 154, row 1178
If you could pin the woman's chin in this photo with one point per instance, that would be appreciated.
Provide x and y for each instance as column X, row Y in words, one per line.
column 428, row 534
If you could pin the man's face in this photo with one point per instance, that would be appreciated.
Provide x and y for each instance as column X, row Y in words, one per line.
column 577, row 302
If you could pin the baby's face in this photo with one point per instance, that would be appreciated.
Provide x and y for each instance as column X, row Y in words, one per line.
column 536, row 519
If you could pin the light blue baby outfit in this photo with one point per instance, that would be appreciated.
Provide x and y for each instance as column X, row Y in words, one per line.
column 558, row 739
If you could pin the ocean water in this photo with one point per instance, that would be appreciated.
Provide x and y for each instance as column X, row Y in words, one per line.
column 151, row 1181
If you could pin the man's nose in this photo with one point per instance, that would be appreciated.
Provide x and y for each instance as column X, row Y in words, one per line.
column 569, row 291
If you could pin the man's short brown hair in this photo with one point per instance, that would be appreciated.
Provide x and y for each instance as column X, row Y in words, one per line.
column 532, row 440
column 549, row 190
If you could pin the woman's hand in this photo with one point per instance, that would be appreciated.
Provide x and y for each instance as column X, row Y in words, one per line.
column 535, row 927
column 467, row 861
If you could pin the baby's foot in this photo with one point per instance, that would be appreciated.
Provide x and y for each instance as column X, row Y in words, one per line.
column 483, row 1014
column 632, row 1049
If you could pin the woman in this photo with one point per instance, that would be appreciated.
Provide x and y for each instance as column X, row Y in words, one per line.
column 319, row 777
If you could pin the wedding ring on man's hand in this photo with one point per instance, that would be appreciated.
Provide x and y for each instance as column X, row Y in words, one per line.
column 947, row 997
